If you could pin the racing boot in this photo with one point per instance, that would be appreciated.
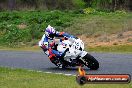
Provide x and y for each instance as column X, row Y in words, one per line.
column 57, row 62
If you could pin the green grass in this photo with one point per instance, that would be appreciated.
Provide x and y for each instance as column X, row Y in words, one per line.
column 73, row 22
column 115, row 48
column 18, row 78
column 35, row 22
column 26, row 48
column 98, row 24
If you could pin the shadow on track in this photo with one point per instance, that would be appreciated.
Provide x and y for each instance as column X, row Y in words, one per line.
column 64, row 69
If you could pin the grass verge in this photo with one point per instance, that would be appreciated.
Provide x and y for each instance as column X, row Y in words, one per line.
column 27, row 48
column 19, row 28
column 18, row 78
column 115, row 49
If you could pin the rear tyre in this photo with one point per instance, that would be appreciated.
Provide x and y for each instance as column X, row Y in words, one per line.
column 91, row 62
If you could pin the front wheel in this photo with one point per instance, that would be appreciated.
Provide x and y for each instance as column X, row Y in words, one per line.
column 91, row 62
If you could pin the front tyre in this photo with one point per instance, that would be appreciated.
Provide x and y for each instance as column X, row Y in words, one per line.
column 91, row 62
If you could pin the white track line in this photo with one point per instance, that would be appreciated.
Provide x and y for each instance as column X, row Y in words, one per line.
column 47, row 72
column 50, row 72
column 68, row 74
column 59, row 73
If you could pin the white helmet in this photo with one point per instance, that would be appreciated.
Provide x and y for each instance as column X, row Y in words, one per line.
column 50, row 32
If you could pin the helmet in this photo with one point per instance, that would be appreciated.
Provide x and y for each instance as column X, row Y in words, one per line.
column 50, row 32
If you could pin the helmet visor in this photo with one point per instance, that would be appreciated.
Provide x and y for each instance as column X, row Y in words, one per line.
column 51, row 35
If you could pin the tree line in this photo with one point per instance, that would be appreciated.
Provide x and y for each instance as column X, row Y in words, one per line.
column 65, row 4
column 110, row 4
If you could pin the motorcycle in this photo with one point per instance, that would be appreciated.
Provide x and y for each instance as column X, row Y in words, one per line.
column 76, row 55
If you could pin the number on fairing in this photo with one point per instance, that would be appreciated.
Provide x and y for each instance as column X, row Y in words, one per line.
column 77, row 45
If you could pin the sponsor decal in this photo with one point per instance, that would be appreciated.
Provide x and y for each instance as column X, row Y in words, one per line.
column 83, row 78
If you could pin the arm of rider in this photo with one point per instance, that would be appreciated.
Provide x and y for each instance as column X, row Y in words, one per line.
column 52, row 44
column 41, row 42
column 72, row 40
column 43, row 45
column 65, row 36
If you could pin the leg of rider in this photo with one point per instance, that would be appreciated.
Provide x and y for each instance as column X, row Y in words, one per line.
column 64, row 53
column 60, row 56
column 44, row 49
column 53, row 59
column 51, row 56
column 57, row 54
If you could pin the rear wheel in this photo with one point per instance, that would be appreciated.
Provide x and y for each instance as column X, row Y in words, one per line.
column 91, row 62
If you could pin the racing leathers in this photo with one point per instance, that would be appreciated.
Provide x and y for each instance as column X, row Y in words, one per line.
column 47, row 45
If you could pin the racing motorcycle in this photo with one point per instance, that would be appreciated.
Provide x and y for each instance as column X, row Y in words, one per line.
column 76, row 55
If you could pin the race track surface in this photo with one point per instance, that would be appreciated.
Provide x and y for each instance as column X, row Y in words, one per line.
column 109, row 63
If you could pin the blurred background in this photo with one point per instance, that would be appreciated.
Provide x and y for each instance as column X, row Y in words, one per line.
column 64, row 4
column 101, row 24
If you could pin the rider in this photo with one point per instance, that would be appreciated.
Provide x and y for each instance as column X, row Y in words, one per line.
column 47, row 43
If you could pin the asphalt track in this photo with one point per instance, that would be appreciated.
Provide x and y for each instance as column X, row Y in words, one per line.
column 109, row 63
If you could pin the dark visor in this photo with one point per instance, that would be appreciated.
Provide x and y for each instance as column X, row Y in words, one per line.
column 51, row 35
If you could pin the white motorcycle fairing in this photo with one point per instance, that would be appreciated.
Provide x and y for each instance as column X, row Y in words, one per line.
column 76, row 48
